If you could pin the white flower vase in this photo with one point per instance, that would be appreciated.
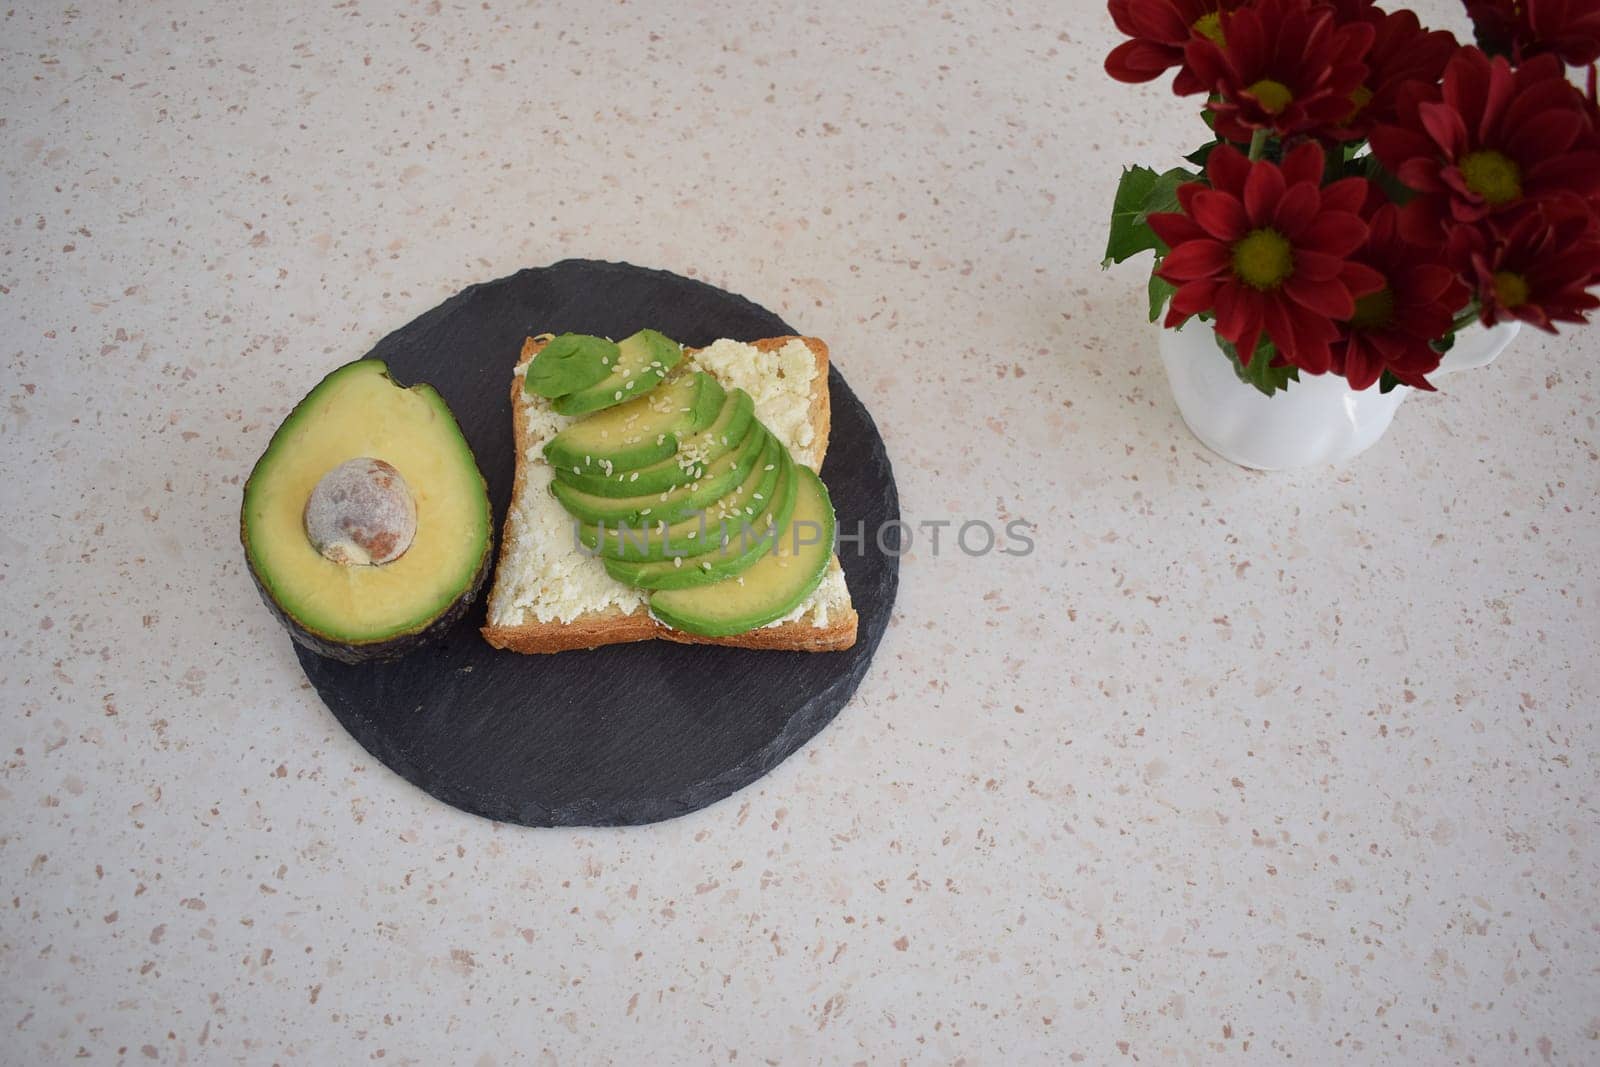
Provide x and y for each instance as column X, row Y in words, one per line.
column 1318, row 419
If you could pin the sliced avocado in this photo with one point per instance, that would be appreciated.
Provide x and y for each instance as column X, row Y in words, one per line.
column 688, row 464
column 639, row 432
column 643, row 360
column 713, row 480
column 770, row 588
column 342, row 469
column 718, row 524
column 569, row 363
column 737, row 556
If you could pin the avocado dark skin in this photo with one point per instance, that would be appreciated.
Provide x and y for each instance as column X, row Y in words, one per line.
column 370, row 652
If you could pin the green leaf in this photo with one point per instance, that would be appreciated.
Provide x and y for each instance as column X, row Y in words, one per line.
column 1387, row 383
column 1130, row 234
column 570, row 362
column 1260, row 373
column 1161, row 291
column 1200, row 156
column 1141, row 193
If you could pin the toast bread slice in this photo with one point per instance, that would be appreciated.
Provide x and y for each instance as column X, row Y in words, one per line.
column 524, row 632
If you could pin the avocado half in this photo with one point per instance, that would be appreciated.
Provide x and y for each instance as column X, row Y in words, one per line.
column 362, row 612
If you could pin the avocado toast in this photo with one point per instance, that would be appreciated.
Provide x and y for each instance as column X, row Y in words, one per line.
column 553, row 594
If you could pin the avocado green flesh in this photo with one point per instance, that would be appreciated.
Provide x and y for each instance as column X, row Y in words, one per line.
column 770, row 588
column 568, row 363
column 690, row 461
column 673, row 504
column 639, row 432
column 643, row 361
column 722, row 522
column 363, row 612
column 725, row 562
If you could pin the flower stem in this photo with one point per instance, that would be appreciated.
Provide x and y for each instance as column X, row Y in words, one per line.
column 1466, row 317
column 1258, row 144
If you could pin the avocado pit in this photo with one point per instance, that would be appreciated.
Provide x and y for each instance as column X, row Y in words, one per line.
column 361, row 513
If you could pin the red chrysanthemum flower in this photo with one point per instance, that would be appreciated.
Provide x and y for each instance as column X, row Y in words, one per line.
column 1490, row 143
column 1393, row 327
column 1521, row 29
column 1540, row 271
column 1591, row 104
column 1160, row 29
column 1402, row 52
column 1282, row 65
column 1266, row 248
column 1353, row 10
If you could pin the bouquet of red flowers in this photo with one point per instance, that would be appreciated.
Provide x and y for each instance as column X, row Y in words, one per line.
column 1370, row 186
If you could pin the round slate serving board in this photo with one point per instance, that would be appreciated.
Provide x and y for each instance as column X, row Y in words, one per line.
column 627, row 734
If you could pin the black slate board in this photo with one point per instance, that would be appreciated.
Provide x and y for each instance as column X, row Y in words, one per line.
column 628, row 734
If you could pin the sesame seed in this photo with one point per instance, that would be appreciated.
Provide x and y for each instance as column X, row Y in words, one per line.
column 677, row 561
column 769, row 466
column 706, row 565
column 628, row 386
column 617, row 395
column 633, row 477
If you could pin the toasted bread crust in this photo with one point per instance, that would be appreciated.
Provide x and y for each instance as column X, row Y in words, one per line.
column 615, row 627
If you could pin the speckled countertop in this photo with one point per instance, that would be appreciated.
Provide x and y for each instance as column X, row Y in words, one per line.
column 1234, row 766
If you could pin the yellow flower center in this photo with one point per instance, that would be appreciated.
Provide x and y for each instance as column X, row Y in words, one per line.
column 1358, row 101
column 1493, row 176
column 1511, row 290
column 1273, row 96
column 1373, row 310
column 1263, row 259
column 1209, row 26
